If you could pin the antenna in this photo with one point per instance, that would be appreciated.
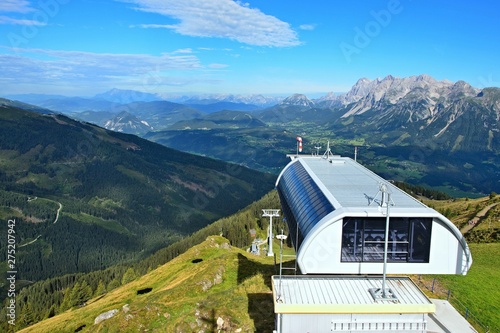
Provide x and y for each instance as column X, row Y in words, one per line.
column 270, row 213
column 317, row 149
column 328, row 152
column 384, row 293
column 384, row 190
column 281, row 237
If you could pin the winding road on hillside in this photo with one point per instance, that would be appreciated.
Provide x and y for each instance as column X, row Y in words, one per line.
column 31, row 242
column 55, row 220
column 58, row 211
column 476, row 219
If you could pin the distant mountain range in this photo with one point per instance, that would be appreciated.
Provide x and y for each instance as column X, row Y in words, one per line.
column 416, row 129
column 145, row 111
column 113, row 97
column 419, row 111
column 417, row 118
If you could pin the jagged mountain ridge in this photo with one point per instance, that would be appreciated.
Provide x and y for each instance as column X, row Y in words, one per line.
column 416, row 110
column 422, row 130
column 366, row 94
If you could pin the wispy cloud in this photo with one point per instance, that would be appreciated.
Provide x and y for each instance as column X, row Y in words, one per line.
column 84, row 69
column 14, row 21
column 15, row 6
column 307, row 26
column 221, row 18
column 184, row 51
column 218, row 66
column 151, row 26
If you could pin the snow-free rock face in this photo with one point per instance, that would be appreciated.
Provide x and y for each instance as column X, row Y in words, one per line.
column 366, row 95
column 418, row 109
column 298, row 100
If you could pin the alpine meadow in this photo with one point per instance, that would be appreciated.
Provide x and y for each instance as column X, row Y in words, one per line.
column 249, row 166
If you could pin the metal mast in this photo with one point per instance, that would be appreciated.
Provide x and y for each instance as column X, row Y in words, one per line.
column 270, row 213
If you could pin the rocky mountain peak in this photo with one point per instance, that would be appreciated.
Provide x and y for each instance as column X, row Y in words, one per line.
column 298, row 100
column 425, row 78
column 462, row 89
column 126, row 122
column 331, row 95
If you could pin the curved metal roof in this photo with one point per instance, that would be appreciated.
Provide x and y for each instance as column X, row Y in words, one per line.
column 314, row 191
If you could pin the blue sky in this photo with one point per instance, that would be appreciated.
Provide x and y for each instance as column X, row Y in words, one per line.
column 85, row 47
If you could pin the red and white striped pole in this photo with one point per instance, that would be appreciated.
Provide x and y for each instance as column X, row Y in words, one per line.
column 299, row 145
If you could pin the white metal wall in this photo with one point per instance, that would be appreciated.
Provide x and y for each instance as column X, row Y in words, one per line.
column 321, row 254
column 352, row 323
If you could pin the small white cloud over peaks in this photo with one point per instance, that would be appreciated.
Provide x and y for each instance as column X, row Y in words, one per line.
column 222, row 19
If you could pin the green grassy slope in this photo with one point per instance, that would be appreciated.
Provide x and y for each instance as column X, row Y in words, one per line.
column 189, row 294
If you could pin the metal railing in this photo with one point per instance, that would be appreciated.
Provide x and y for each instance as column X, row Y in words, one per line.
column 439, row 290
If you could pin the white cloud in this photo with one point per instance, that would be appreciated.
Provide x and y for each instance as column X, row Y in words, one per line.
column 307, row 27
column 13, row 21
column 151, row 26
column 15, row 6
column 218, row 66
column 86, row 69
column 184, row 51
column 221, row 18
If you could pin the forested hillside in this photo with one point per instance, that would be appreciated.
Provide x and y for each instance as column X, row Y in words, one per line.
column 50, row 297
column 85, row 198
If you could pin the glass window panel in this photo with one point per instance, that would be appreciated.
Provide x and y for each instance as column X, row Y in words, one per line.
column 363, row 239
column 420, row 240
